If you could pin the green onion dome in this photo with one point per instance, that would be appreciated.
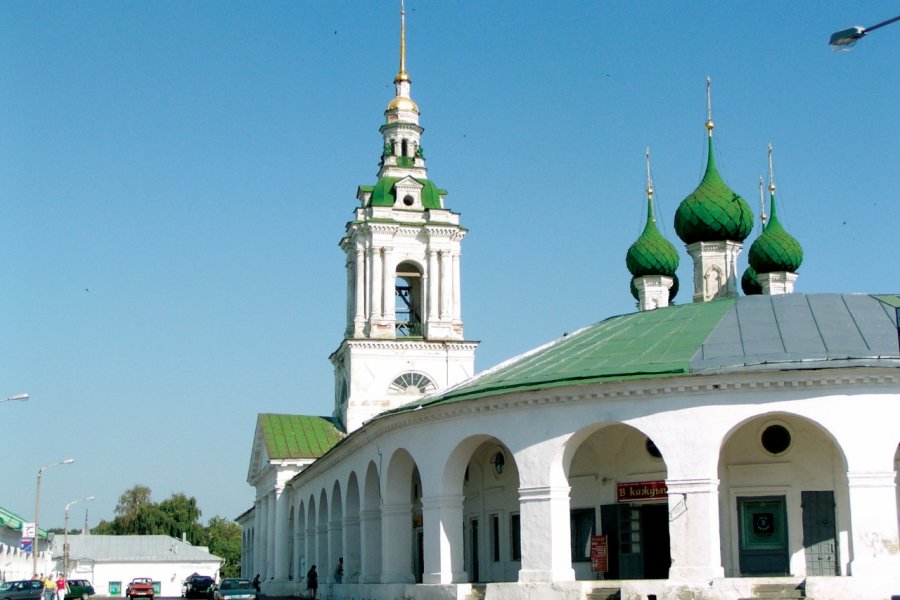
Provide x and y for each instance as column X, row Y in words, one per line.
column 673, row 291
column 749, row 283
column 651, row 254
column 775, row 249
column 713, row 212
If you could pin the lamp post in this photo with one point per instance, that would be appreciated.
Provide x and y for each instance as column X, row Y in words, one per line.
column 846, row 38
column 66, row 535
column 19, row 397
column 36, row 547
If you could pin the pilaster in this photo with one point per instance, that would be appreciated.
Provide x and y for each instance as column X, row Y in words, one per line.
column 694, row 529
column 546, row 552
column 873, row 523
column 396, row 549
column 443, row 522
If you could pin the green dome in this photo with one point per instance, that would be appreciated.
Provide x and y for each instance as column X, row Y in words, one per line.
column 775, row 249
column 673, row 291
column 651, row 254
column 749, row 283
column 713, row 212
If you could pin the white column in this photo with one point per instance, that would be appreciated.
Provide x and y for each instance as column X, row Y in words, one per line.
column 546, row 552
column 374, row 256
column 359, row 316
column 256, row 558
column 282, row 534
column 321, row 551
column 299, row 550
column 370, row 550
column 396, row 543
column 335, row 550
column 873, row 523
column 270, row 535
column 694, row 543
column 388, row 301
column 445, row 284
column 443, row 521
column 457, row 300
column 262, row 543
column 351, row 545
column 434, row 278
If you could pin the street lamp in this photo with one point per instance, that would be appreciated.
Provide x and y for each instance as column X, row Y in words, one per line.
column 36, row 547
column 19, row 397
column 66, row 535
column 847, row 38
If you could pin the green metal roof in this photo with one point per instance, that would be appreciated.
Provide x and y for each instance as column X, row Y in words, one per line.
column 645, row 344
column 713, row 212
column 751, row 333
column 13, row 521
column 299, row 436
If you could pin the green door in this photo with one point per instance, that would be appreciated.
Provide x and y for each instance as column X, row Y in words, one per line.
column 631, row 543
column 819, row 540
column 762, row 527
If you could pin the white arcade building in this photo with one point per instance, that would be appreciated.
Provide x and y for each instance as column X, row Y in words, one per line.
column 730, row 447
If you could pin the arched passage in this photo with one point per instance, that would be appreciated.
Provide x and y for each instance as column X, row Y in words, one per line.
column 335, row 535
column 370, row 527
column 783, row 499
column 399, row 531
column 352, row 531
column 617, row 476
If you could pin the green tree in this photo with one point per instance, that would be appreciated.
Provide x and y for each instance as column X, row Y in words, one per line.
column 223, row 537
column 183, row 516
column 130, row 504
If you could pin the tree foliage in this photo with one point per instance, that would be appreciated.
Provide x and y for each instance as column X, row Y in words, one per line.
column 137, row 514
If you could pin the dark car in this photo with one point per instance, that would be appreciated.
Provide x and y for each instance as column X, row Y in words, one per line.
column 198, row 586
column 21, row 590
column 79, row 588
column 235, row 589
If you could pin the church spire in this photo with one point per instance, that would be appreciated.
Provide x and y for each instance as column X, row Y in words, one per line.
column 402, row 75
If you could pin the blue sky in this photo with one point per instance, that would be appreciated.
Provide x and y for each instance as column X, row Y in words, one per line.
column 175, row 177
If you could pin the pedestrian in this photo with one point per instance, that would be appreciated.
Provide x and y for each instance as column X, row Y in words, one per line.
column 312, row 582
column 256, row 583
column 49, row 588
column 339, row 571
column 60, row 587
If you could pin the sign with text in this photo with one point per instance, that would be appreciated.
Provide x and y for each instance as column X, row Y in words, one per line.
column 641, row 491
column 27, row 545
column 28, row 530
column 599, row 554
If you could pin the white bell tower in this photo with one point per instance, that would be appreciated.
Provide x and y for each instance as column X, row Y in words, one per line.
column 404, row 334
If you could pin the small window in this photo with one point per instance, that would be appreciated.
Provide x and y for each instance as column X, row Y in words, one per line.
column 495, row 538
column 515, row 536
column 652, row 450
column 581, row 522
column 499, row 463
column 408, row 200
column 776, row 439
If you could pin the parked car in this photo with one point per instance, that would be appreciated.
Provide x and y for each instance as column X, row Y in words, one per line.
column 21, row 590
column 198, row 586
column 140, row 587
column 79, row 589
column 235, row 589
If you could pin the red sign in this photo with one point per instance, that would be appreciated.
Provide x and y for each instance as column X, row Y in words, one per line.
column 641, row 491
column 599, row 554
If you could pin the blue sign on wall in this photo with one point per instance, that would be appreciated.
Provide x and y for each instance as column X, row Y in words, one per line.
column 26, row 544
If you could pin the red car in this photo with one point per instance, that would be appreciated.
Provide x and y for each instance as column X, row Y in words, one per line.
column 140, row 587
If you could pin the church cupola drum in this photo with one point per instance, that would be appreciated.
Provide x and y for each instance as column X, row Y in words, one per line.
column 404, row 333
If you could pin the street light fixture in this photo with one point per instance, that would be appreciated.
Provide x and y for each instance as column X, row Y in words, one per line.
column 19, row 397
column 36, row 546
column 66, row 535
column 847, row 38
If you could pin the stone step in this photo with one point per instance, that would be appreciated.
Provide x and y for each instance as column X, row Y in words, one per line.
column 777, row 591
column 605, row 594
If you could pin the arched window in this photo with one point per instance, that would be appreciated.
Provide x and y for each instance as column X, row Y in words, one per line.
column 408, row 307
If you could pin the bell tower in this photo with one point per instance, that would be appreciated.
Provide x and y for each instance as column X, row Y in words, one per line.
column 404, row 333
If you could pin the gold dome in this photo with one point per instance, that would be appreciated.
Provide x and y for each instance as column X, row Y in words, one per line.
column 401, row 103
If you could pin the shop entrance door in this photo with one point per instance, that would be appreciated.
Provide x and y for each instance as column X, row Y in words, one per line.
column 638, row 537
column 763, row 539
column 819, row 540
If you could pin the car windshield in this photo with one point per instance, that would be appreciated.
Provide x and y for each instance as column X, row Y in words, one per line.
column 5, row 585
column 235, row 584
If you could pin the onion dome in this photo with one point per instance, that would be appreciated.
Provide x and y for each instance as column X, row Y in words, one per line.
column 713, row 212
column 651, row 253
column 673, row 291
column 775, row 249
column 749, row 283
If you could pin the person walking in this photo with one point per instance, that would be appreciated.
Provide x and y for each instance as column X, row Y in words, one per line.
column 60, row 587
column 256, row 583
column 312, row 582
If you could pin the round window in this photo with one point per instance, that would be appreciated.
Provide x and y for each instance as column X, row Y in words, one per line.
column 652, row 450
column 408, row 200
column 776, row 439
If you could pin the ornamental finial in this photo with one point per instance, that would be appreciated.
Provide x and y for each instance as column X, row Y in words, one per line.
column 709, row 122
column 402, row 75
column 762, row 204
column 771, row 172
